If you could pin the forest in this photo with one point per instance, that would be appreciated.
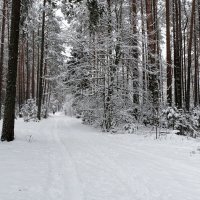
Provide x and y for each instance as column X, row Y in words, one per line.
column 115, row 63
column 139, row 60
column 99, row 99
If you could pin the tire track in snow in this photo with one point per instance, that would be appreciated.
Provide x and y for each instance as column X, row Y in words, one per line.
column 115, row 171
column 62, row 181
column 68, row 171
column 137, row 173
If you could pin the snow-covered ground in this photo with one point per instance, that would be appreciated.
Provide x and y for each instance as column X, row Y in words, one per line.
column 61, row 159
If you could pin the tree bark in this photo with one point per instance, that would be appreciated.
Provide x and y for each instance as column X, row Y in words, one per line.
column 152, row 64
column 110, row 76
column 196, row 73
column 190, row 57
column 9, row 113
column 135, row 53
column 27, row 71
column 40, row 92
column 177, row 56
column 33, row 67
column 2, row 49
column 168, row 50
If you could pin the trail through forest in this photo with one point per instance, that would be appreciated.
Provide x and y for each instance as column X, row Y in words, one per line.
column 59, row 158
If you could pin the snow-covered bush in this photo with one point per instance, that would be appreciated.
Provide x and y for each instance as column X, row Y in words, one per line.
column 88, row 108
column 67, row 107
column 122, row 117
column 186, row 122
column 149, row 115
column 196, row 117
column 29, row 110
column 44, row 112
column 130, row 128
column 170, row 115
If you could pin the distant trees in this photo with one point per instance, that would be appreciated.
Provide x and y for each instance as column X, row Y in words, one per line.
column 33, row 61
column 125, row 62
column 41, row 52
column 123, row 67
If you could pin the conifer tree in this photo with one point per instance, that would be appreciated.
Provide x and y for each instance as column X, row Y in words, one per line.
column 9, row 113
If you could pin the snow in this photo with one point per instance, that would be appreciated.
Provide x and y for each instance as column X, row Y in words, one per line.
column 59, row 159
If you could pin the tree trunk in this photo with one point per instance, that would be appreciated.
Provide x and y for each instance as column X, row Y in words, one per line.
column 177, row 56
column 144, row 64
column 2, row 49
column 196, row 73
column 40, row 93
column 38, row 68
column 33, row 68
column 190, row 57
column 27, row 71
column 109, row 76
column 9, row 113
column 168, row 50
column 135, row 53
column 152, row 64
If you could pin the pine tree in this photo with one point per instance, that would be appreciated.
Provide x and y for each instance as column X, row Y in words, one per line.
column 189, row 57
column 9, row 113
column 2, row 50
column 40, row 91
column 168, row 59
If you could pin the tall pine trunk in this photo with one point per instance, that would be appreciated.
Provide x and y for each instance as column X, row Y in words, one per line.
column 196, row 73
column 2, row 49
column 135, row 53
column 152, row 64
column 33, row 67
column 177, row 56
column 109, row 78
column 168, row 47
column 40, row 92
column 27, row 71
column 9, row 112
column 190, row 57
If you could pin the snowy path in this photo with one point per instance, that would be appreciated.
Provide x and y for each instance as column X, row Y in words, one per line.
column 61, row 159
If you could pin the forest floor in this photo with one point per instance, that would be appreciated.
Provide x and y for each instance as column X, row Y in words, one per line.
column 61, row 159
